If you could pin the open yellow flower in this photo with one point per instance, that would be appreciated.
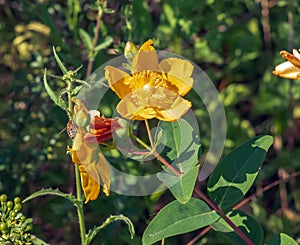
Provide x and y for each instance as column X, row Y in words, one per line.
column 93, row 166
column 291, row 68
column 153, row 90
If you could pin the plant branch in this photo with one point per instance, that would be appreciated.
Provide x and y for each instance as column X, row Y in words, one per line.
column 245, row 201
column 96, row 36
column 223, row 215
column 159, row 157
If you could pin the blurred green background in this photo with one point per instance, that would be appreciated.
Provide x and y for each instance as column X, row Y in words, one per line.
column 235, row 42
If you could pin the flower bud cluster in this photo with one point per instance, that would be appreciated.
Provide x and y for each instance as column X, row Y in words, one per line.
column 14, row 226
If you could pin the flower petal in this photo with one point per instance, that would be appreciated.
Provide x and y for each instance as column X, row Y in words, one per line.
column 179, row 73
column 90, row 186
column 103, row 170
column 118, row 81
column 146, row 58
column 290, row 57
column 287, row 70
column 153, row 102
column 177, row 110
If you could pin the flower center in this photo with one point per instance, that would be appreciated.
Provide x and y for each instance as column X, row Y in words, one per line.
column 147, row 79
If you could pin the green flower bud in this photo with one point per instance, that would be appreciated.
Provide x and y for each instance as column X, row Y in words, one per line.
column 130, row 51
column 3, row 198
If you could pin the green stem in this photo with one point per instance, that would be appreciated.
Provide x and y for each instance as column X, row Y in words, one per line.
column 80, row 206
column 79, row 196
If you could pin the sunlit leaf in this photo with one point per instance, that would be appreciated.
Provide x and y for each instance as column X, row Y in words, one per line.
column 235, row 174
column 182, row 146
column 177, row 218
column 181, row 186
column 245, row 223
column 59, row 62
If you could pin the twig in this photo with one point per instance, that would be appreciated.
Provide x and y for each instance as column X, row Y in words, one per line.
column 96, row 36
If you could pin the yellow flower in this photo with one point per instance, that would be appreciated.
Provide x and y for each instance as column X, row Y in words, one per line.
column 291, row 68
column 153, row 90
column 93, row 166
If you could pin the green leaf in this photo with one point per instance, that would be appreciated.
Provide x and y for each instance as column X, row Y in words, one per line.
column 181, row 186
column 38, row 241
column 60, row 64
column 245, row 223
column 86, row 39
column 50, row 191
column 112, row 218
column 235, row 174
column 106, row 42
column 281, row 239
column 181, row 149
column 183, row 142
column 56, row 98
column 177, row 218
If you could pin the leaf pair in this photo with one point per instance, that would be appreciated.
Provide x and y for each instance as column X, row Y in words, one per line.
column 227, row 185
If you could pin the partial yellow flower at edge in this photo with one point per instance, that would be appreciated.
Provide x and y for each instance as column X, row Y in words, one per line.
column 153, row 90
column 291, row 68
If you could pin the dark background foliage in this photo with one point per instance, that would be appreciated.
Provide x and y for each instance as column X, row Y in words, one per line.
column 236, row 43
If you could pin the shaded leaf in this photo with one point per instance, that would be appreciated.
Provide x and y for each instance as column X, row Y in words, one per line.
column 50, row 191
column 245, row 223
column 281, row 239
column 103, row 45
column 235, row 174
column 112, row 218
column 86, row 39
column 177, row 218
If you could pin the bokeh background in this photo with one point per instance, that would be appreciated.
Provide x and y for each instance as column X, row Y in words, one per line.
column 236, row 42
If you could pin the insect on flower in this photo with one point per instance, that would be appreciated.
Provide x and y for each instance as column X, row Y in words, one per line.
column 71, row 129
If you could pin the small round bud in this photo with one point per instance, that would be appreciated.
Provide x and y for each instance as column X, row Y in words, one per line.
column 9, row 205
column 12, row 214
column 3, row 226
column 17, row 200
column 23, row 218
column 18, row 207
column 3, row 198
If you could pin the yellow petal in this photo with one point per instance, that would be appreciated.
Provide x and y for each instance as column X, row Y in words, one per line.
column 103, row 170
column 91, row 187
column 146, row 58
column 118, row 81
column 292, row 58
column 178, row 73
column 177, row 110
column 153, row 102
column 287, row 70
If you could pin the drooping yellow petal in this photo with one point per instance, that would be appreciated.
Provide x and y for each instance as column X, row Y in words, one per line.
column 178, row 72
column 146, row 58
column 103, row 170
column 90, row 186
column 118, row 81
